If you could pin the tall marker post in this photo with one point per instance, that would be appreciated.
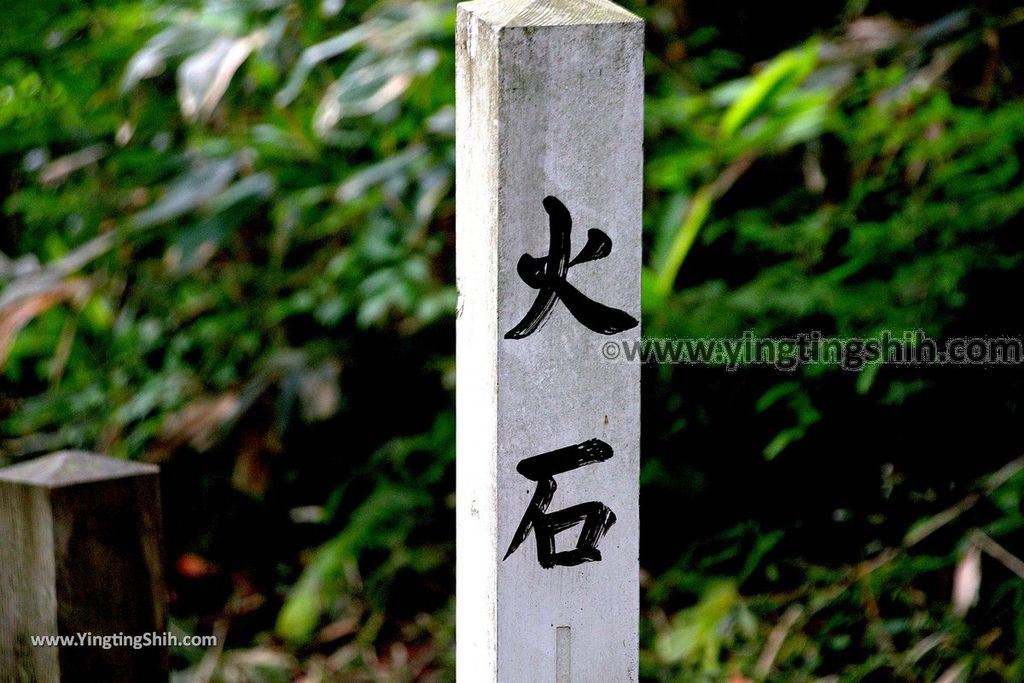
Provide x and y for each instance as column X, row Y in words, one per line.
column 549, row 191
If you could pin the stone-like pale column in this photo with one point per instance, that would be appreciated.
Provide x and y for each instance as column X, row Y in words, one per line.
column 549, row 186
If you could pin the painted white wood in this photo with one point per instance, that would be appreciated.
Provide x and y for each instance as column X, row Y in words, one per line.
column 549, row 103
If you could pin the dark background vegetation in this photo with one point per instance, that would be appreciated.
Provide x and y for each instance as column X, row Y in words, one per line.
column 228, row 247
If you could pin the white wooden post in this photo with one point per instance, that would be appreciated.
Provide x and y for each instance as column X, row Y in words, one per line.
column 549, row 193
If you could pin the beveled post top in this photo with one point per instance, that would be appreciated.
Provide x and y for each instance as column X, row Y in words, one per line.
column 69, row 468
column 537, row 13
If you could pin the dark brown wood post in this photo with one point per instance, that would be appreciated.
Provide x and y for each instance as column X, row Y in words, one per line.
column 80, row 554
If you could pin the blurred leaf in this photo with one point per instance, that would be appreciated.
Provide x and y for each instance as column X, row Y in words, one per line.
column 696, row 634
column 782, row 74
column 204, row 77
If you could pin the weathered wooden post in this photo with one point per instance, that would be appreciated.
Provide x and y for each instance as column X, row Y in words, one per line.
column 549, row 136
column 80, row 557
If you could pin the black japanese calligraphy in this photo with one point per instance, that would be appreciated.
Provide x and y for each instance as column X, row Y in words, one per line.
column 595, row 517
column 548, row 275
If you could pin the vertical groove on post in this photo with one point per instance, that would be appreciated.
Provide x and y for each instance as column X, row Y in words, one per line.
column 563, row 654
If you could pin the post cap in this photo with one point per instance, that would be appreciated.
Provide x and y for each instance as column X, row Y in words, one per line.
column 522, row 13
column 68, row 468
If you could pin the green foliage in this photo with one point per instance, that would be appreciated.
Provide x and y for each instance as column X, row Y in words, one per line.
column 233, row 220
column 230, row 236
column 843, row 188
